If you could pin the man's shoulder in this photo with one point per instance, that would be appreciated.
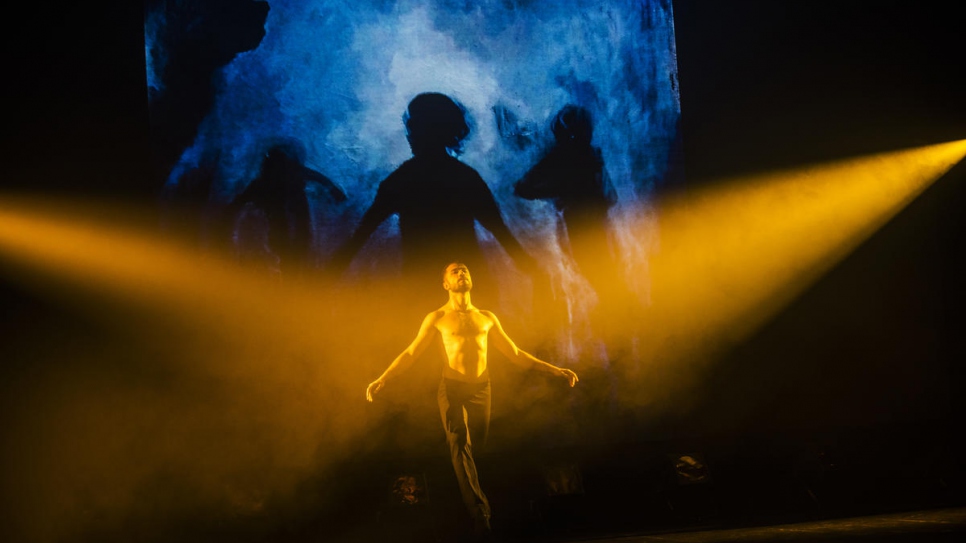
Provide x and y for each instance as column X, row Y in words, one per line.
column 438, row 319
column 489, row 314
column 436, row 314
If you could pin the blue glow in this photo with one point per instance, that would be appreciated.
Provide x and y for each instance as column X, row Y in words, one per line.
column 153, row 55
column 338, row 75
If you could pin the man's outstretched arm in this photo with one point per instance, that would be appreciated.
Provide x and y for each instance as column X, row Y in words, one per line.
column 518, row 356
column 406, row 358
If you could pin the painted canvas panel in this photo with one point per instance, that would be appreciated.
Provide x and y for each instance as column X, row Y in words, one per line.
column 571, row 113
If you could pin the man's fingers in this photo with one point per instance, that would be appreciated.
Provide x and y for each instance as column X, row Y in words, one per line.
column 372, row 389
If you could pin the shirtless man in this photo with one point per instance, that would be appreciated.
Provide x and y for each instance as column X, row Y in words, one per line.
column 464, row 391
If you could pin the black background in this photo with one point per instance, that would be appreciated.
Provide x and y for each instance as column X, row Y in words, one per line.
column 764, row 84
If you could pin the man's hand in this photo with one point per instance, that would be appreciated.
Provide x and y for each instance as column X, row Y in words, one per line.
column 376, row 386
column 569, row 375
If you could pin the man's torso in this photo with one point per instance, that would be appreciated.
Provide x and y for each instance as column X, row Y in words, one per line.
column 464, row 335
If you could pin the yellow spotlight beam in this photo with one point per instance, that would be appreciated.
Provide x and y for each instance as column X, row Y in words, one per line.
column 79, row 251
column 728, row 259
column 731, row 256
column 285, row 365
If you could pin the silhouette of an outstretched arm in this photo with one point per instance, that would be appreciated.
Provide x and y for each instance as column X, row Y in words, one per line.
column 488, row 214
column 331, row 189
column 380, row 210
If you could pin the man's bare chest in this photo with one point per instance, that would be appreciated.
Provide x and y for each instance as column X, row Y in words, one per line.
column 464, row 325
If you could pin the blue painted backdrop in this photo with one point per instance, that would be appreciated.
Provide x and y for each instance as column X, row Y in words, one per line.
column 337, row 76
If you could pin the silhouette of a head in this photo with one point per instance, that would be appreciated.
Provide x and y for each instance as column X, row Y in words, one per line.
column 435, row 122
column 282, row 160
column 573, row 124
column 286, row 151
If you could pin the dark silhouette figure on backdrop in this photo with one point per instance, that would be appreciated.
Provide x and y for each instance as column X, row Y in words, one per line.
column 186, row 203
column 195, row 39
column 272, row 218
column 192, row 42
column 253, row 249
column 572, row 175
column 437, row 197
column 464, row 390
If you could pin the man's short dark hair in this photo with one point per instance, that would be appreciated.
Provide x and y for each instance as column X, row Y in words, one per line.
column 446, row 268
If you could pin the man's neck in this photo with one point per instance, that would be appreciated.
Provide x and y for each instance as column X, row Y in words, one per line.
column 460, row 301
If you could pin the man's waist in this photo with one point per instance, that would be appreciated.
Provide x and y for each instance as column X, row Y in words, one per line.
column 455, row 375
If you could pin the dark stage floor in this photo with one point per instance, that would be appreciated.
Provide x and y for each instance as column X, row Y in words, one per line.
column 940, row 525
